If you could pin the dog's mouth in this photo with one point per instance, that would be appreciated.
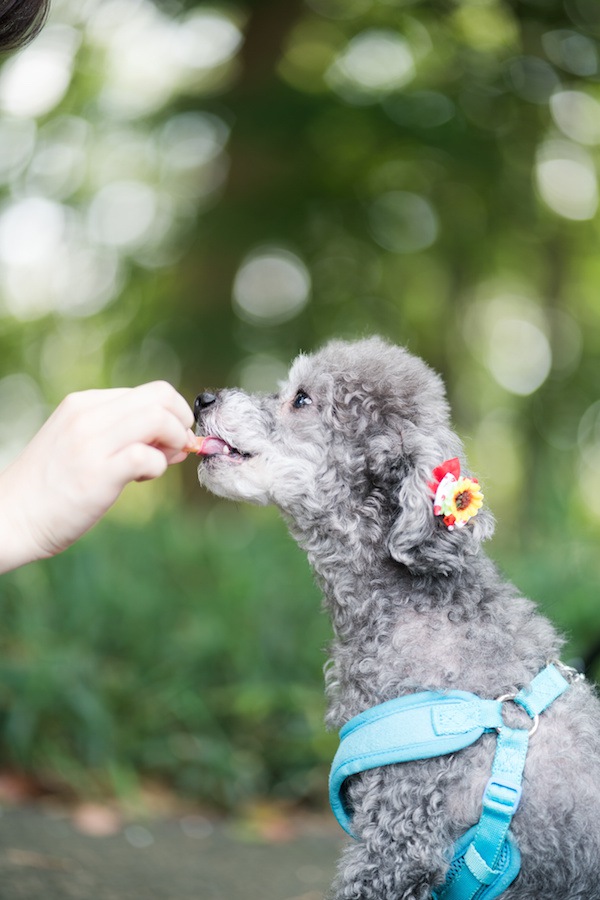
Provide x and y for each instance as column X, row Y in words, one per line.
column 215, row 446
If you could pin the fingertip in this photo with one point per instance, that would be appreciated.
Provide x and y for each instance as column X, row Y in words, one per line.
column 166, row 395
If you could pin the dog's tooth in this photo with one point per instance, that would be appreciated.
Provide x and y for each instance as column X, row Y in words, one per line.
column 226, row 450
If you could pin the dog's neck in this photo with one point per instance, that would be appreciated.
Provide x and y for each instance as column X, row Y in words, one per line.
column 364, row 588
column 367, row 595
column 398, row 632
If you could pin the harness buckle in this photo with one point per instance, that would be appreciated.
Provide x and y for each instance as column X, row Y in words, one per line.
column 510, row 698
column 503, row 796
column 569, row 673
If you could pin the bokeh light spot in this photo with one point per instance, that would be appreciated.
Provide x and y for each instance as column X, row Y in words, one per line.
column 272, row 285
column 486, row 26
column 192, row 139
column 574, row 52
column 375, row 62
column 34, row 81
column 208, row 38
column 17, row 140
column 47, row 264
column 191, row 148
column 260, row 373
column 121, row 214
column 566, row 180
column 59, row 163
column 519, row 357
column 30, row 231
column 403, row 222
column 190, row 50
column 532, row 79
column 508, row 332
column 577, row 115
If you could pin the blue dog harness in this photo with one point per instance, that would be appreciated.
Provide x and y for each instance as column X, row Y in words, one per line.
column 486, row 860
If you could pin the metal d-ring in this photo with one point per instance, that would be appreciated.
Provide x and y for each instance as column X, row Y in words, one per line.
column 510, row 698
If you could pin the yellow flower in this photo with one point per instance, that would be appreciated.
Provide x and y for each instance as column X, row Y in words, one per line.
column 462, row 502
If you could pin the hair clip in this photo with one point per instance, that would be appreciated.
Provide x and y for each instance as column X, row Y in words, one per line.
column 456, row 498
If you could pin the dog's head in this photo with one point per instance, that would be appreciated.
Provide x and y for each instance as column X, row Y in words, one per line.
column 348, row 445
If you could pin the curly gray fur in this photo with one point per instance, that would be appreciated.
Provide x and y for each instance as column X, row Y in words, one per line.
column 414, row 607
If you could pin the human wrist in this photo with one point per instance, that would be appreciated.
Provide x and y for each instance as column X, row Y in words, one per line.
column 18, row 544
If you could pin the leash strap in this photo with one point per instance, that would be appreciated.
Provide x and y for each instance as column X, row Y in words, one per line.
column 486, row 859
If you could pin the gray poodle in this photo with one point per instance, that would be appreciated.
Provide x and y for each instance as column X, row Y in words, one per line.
column 350, row 451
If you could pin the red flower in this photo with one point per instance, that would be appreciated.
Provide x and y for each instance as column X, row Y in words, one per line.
column 451, row 466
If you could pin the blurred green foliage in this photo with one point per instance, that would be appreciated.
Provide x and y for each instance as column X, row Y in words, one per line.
column 198, row 663
column 190, row 652
column 196, row 192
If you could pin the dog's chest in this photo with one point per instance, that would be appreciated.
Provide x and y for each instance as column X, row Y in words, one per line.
column 428, row 651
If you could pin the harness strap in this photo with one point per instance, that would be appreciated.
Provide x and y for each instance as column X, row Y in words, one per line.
column 418, row 726
column 488, row 863
column 486, row 857
column 546, row 687
column 486, row 860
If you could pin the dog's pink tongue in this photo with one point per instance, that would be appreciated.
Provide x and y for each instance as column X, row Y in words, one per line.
column 213, row 446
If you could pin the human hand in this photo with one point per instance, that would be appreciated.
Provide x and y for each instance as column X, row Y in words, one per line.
column 73, row 470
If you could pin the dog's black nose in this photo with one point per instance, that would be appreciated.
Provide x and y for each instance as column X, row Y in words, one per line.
column 202, row 402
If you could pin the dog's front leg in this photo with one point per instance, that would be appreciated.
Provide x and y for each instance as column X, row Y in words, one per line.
column 402, row 848
column 393, row 875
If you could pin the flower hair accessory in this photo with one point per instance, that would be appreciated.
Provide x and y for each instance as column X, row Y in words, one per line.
column 456, row 498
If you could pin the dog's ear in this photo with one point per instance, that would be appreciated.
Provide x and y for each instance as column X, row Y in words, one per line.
column 418, row 538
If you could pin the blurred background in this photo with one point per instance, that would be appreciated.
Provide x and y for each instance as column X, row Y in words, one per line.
column 196, row 192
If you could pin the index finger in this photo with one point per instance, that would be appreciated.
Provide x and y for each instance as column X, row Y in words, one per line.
column 165, row 395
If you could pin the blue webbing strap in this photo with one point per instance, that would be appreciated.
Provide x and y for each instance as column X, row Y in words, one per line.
column 486, row 865
column 418, row 726
column 546, row 687
column 428, row 724
column 485, row 858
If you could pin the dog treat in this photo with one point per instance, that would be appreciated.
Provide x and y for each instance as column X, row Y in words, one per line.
column 208, row 446
column 195, row 445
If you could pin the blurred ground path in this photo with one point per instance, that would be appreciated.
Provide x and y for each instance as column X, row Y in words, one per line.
column 44, row 857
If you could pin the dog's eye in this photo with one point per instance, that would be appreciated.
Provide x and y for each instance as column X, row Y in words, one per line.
column 301, row 399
